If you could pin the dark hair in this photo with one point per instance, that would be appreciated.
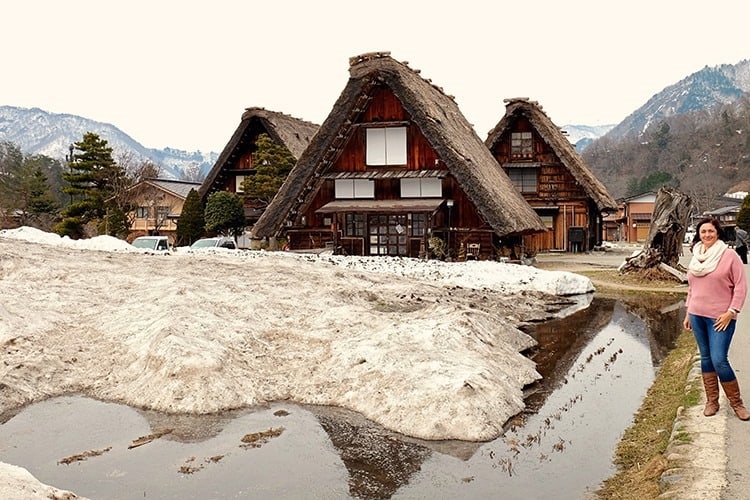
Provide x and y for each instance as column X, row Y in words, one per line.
column 708, row 220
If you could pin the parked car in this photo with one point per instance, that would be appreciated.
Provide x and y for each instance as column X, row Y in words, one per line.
column 217, row 242
column 152, row 244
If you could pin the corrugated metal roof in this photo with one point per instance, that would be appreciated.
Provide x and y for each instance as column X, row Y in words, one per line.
column 180, row 188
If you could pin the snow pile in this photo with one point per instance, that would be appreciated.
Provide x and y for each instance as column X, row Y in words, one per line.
column 17, row 482
column 428, row 349
column 104, row 243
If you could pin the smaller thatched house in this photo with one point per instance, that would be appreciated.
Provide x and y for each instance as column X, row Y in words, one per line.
column 236, row 160
column 546, row 169
column 396, row 169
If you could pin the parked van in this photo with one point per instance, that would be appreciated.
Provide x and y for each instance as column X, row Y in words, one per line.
column 152, row 244
column 217, row 242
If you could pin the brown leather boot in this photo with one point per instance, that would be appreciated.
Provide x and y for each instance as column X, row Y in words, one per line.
column 711, row 384
column 732, row 390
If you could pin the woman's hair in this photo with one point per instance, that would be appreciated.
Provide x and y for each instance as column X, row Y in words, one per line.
column 708, row 220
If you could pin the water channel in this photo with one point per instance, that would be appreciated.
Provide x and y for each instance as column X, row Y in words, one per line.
column 597, row 365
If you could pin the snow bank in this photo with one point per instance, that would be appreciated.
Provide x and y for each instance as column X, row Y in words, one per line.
column 428, row 349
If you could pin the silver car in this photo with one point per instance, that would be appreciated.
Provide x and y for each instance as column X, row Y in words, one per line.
column 217, row 242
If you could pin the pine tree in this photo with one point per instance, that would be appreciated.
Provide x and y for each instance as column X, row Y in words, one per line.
column 743, row 216
column 224, row 213
column 191, row 225
column 272, row 163
column 93, row 178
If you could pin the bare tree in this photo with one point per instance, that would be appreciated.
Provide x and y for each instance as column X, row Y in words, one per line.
column 193, row 173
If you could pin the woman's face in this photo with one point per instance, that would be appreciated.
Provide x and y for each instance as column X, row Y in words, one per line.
column 708, row 234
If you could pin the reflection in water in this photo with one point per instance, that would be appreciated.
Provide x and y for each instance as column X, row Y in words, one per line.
column 597, row 365
column 378, row 462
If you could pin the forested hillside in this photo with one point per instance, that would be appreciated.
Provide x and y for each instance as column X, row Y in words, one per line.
column 702, row 153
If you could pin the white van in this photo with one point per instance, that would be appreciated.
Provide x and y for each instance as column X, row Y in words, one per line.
column 152, row 244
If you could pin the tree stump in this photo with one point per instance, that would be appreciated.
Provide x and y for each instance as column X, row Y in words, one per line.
column 663, row 246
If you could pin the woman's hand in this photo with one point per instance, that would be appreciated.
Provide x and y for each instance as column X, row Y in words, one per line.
column 686, row 322
column 722, row 322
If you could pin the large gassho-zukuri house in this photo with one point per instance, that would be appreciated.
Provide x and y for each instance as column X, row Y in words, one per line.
column 395, row 168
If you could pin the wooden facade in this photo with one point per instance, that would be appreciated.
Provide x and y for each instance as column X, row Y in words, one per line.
column 235, row 162
column 383, row 177
column 552, row 178
column 158, row 205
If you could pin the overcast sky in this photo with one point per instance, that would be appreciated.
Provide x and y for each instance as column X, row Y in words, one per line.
column 180, row 73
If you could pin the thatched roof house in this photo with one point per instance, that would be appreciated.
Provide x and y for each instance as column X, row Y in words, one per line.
column 235, row 161
column 550, row 174
column 384, row 93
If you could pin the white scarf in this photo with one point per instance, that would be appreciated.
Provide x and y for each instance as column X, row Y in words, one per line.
column 705, row 261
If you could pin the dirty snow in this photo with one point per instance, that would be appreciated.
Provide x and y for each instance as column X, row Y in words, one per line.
column 425, row 348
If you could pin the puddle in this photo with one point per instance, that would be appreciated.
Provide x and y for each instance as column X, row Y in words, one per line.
column 597, row 366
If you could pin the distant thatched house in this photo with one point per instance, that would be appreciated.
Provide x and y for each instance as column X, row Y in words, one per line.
column 236, row 160
column 394, row 170
column 552, row 177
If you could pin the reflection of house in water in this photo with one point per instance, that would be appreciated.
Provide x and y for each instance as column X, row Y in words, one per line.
column 378, row 462
column 560, row 342
column 662, row 314
column 188, row 428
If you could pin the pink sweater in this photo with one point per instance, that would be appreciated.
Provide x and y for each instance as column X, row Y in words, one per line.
column 714, row 293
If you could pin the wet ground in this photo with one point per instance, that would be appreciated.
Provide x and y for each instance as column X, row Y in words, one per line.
column 597, row 365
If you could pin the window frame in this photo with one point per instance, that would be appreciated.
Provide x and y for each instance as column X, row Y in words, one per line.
column 525, row 179
column 352, row 189
column 522, row 145
column 423, row 187
column 386, row 146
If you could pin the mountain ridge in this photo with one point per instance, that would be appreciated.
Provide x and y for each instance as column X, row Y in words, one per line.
column 36, row 131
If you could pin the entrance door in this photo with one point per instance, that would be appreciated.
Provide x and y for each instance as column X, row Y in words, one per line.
column 387, row 234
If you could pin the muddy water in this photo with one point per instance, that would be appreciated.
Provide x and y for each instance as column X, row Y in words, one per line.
column 597, row 365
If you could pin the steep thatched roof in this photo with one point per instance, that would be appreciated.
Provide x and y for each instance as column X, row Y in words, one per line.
column 443, row 125
column 521, row 106
column 292, row 133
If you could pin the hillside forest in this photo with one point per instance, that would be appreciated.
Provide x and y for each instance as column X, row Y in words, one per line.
column 703, row 154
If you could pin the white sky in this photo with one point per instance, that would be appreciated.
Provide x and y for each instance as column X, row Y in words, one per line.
column 180, row 73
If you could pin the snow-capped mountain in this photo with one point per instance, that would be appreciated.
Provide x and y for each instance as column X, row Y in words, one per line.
column 36, row 131
column 702, row 90
column 582, row 135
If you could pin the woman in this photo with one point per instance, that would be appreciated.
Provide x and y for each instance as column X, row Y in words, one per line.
column 716, row 291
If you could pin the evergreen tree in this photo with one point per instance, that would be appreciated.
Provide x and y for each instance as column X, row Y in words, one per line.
column 24, row 187
column 11, row 160
column 36, row 189
column 224, row 214
column 272, row 163
column 93, row 178
column 115, row 223
column 743, row 216
column 191, row 225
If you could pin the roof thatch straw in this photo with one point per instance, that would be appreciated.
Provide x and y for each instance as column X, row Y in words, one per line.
column 440, row 121
column 522, row 106
column 292, row 133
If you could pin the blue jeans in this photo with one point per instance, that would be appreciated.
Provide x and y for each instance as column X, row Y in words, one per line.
column 713, row 346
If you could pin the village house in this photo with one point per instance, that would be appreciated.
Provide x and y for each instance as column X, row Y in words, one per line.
column 633, row 221
column 552, row 177
column 235, row 162
column 397, row 170
column 158, row 204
